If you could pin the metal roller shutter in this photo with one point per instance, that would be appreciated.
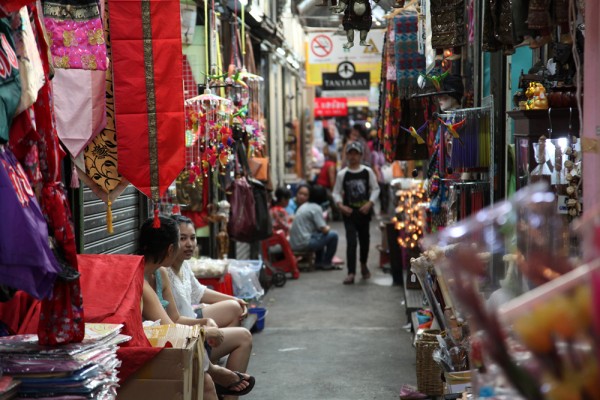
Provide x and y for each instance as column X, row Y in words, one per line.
column 127, row 218
column 242, row 251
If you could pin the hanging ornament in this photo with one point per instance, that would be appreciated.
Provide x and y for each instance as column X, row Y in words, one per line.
column 416, row 133
column 209, row 118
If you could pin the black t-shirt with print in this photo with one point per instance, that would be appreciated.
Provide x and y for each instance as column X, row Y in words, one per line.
column 356, row 188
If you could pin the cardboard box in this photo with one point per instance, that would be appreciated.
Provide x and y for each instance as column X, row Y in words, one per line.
column 172, row 374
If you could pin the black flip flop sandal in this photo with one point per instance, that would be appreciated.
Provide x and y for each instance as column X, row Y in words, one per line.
column 227, row 391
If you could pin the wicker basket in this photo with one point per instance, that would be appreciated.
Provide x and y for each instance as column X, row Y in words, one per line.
column 429, row 373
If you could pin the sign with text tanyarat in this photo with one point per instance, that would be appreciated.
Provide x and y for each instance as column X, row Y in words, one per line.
column 331, row 107
column 358, row 81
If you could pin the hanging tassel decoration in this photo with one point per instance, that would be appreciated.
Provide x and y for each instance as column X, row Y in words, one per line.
column 156, row 223
column 74, row 178
column 109, row 217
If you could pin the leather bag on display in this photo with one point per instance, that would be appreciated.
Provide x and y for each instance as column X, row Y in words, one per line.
column 242, row 220
column 249, row 220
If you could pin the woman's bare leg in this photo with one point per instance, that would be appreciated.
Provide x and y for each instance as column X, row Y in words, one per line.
column 237, row 343
column 210, row 393
column 225, row 313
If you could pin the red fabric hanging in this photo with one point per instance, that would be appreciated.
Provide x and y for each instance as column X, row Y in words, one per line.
column 9, row 6
column 148, row 92
column 61, row 315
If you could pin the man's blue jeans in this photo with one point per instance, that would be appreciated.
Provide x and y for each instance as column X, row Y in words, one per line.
column 324, row 245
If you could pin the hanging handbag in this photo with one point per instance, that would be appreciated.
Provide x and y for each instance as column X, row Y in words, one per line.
column 242, row 219
column 259, row 167
column 264, row 226
column 76, row 34
column 256, row 209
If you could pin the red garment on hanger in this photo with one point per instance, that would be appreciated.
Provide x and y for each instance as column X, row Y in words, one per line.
column 148, row 88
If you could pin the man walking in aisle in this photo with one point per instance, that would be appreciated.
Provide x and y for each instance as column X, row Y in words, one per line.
column 355, row 192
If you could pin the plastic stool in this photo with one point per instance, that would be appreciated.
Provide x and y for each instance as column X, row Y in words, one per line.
column 305, row 260
column 278, row 252
column 222, row 285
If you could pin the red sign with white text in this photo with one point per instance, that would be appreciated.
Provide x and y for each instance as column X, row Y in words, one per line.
column 331, row 107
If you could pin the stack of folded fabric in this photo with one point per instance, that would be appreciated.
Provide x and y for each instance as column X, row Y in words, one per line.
column 86, row 370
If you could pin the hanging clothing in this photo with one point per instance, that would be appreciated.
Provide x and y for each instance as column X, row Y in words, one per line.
column 447, row 23
column 26, row 260
column 538, row 16
column 10, row 81
column 498, row 26
column 413, row 114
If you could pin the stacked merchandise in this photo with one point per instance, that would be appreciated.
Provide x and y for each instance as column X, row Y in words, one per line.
column 86, row 370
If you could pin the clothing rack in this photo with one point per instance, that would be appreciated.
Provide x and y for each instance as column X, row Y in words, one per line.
column 485, row 151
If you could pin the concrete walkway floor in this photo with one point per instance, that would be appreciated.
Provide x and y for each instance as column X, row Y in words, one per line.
column 326, row 340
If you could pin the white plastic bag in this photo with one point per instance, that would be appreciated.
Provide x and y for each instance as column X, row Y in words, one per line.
column 245, row 281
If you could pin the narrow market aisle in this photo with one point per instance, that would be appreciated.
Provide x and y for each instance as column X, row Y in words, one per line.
column 326, row 340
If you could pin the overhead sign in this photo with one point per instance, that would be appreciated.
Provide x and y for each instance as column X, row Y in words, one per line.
column 358, row 81
column 325, row 52
column 331, row 107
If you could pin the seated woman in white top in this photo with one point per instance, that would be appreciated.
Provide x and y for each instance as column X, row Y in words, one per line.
column 225, row 310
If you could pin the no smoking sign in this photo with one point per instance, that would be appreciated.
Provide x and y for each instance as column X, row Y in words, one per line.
column 321, row 46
